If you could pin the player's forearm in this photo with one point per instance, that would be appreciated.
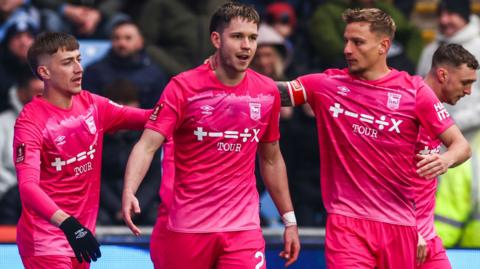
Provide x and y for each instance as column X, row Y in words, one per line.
column 134, row 118
column 137, row 166
column 35, row 199
column 458, row 152
column 291, row 93
column 274, row 174
column 285, row 98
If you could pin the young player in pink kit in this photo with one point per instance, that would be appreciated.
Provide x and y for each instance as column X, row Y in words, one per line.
column 451, row 77
column 217, row 118
column 368, row 119
column 58, row 148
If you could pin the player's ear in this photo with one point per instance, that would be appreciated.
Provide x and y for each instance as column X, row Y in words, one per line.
column 384, row 46
column 442, row 74
column 215, row 38
column 43, row 72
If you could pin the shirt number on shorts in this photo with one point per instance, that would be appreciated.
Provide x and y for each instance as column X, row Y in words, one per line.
column 260, row 255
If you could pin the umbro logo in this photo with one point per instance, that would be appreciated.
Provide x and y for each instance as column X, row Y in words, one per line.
column 60, row 140
column 342, row 90
column 80, row 233
column 207, row 110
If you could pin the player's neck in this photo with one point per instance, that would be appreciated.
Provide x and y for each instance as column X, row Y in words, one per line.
column 58, row 98
column 374, row 73
column 433, row 84
column 228, row 76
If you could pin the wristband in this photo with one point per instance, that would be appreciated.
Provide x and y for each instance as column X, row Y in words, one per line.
column 289, row 219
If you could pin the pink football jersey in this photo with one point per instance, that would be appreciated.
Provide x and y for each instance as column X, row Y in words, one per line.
column 58, row 159
column 216, row 130
column 425, row 189
column 367, row 132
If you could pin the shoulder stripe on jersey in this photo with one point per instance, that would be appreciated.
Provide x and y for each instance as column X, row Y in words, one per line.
column 297, row 92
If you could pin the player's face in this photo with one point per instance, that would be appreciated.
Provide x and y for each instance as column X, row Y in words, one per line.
column 126, row 40
column 238, row 43
column 363, row 49
column 458, row 83
column 63, row 71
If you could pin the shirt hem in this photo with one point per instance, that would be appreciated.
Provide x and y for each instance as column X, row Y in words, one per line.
column 213, row 230
column 352, row 215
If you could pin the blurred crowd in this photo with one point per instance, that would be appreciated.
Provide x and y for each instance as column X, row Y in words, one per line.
column 152, row 40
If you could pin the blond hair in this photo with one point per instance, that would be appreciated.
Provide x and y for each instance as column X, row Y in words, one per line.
column 380, row 21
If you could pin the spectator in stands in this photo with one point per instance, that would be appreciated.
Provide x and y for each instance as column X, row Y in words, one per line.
column 282, row 18
column 127, row 59
column 116, row 149
column 92, row 19
column 326, row 34
column 271, row 53
column 457, row 25
column 13, row 10
column 13, row 55
column 177, row 32
column 21, row 93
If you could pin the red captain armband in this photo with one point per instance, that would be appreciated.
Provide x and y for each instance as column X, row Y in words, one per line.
column 297, row 92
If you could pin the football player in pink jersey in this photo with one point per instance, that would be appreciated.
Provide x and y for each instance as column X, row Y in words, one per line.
column 453, row 72
column 57, row 152
column 218, row 120
column 368, row 121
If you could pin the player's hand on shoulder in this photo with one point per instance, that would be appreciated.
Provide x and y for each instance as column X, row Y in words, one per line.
column 130, row 207
column 82, row 241
column 432, row 165
column 291, row 245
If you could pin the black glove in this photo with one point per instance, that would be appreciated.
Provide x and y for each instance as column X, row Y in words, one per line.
column 81, row 239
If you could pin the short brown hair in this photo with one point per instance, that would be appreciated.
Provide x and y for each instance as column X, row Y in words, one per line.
column 380, row 21
column 455, row 55
column 229, row 11
column 48, row 43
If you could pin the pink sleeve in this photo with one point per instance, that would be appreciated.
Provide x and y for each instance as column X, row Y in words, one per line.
column 430, row 111
column 27, row 145
column 114, row 116
column 168, row 112
column 273, row 132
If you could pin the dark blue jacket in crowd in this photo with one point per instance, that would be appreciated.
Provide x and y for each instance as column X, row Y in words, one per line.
column 139, row 69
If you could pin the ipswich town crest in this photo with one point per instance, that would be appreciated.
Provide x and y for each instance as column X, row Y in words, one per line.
column 90, row 121
column 393, row 100
column 255, row 112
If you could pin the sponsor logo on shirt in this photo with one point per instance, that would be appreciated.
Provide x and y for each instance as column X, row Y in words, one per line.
column 342, row 90
column 250, row 135
column 206, row 110
column 90, row 121
column 393, row 100
column 20, row 153
column 60, row 140
column 442, row 113
column 427, row 151
column 156, row 110
column 59, row 163
column 255, row 112
column 382, row 122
